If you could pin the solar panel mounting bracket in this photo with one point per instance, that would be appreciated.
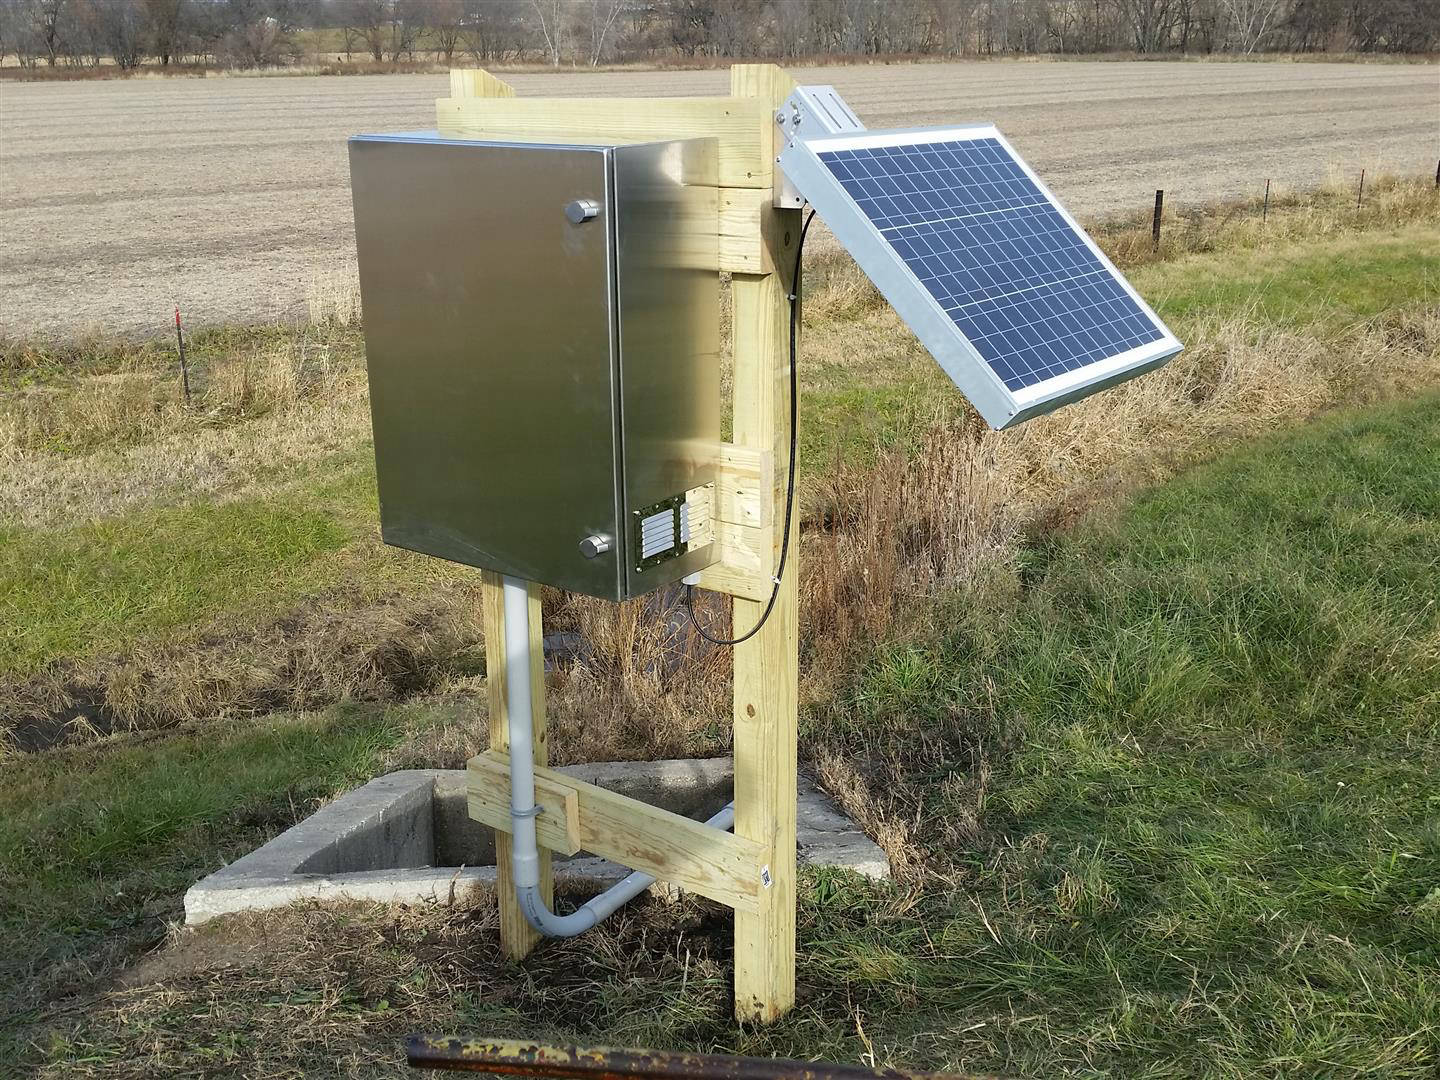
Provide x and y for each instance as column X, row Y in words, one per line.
column 811, row 110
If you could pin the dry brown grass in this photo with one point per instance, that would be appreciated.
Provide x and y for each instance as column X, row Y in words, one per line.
column 881, row 541
column 943, row 507
column 340, row 987
column 951, row 517
column 105, row 431
column 344, row 643
column 646, row 685
column 934, row 517
column 107, row 71
column 117, row 408
column 1294, row 214
column 333, row 296
column 896, row 543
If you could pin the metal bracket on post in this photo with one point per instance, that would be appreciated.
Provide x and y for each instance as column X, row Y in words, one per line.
column 817, row 110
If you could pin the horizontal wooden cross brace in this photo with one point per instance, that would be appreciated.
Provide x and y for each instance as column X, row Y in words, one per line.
column 733, row 237
column 576, row 816
column 742, row 127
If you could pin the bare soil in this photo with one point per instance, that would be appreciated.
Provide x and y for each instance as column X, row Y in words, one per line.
column 230, row 197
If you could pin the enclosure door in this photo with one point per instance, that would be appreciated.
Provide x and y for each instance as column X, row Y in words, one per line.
column 490, row 342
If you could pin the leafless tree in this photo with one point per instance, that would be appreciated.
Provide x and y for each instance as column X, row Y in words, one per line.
column 389, row 28
column 445, row 21
column 255, row 33
column 165, row 21
column 592, row 31
column 551, row 16
column 1150, row 22
column 495, row 29
column 9, row 30
column 46, row 18
column 16, row 33
column 119, row 31
column 1251, row 21
column 800, row 28
column 600, row 19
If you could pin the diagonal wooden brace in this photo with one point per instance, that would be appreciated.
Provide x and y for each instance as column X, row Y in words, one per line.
column 577, row 816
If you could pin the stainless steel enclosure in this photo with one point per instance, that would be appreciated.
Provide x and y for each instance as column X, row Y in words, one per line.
column 542, row 334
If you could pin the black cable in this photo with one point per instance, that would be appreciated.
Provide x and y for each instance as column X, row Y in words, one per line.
column 790, row 476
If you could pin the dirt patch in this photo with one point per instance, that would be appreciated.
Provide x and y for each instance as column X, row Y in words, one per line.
column 231, row 196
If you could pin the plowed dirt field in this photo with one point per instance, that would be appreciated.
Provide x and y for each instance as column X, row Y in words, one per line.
column 230, row 195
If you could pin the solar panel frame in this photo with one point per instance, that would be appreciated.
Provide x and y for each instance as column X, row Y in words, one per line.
column 937, row 330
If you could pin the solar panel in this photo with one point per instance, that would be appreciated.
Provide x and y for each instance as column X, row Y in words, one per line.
column 1017, row 304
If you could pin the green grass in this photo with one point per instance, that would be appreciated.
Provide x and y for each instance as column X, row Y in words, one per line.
column 1206, row 839
column 97, row 846
column 1220, row 824
column 109, row 584
column 853, row 425
column 1346, row 279
column 1209, row 843
column 112, row 584
column 63, row 362
column 887, row 397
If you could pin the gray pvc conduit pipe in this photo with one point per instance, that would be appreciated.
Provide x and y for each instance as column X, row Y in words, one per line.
column 524, row 849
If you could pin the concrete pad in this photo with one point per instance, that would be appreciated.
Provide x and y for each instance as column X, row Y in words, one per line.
column 407, row 838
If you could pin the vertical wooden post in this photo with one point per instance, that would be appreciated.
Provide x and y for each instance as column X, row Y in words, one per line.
column 516, row 936
column 766, row 665
column 473, row 82
column 1155, row 222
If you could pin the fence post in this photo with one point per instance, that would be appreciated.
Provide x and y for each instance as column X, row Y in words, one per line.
column 1360, row 193
column 1265, row 210
column 1155, row 224
column 184, row 367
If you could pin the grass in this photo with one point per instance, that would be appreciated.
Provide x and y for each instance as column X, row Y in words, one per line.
column 1315, row 265
column 1346, row 279
column 169, row 812
column 1175, row 798
column 1217, row 827
column 131, row 605
column 72, row 592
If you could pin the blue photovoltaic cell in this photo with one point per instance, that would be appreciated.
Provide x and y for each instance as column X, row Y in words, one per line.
column 1017, row 279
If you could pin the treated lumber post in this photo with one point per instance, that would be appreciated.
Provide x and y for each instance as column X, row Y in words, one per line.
column 766, row 666
column 516, row 936
column 477, row 82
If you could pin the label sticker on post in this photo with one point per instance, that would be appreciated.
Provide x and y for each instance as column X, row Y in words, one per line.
column 765, row 878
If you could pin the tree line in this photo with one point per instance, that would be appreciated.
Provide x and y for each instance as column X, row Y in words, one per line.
column 252, row 33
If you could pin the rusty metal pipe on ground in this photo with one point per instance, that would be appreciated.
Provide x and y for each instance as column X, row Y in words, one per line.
column 608, row 1063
